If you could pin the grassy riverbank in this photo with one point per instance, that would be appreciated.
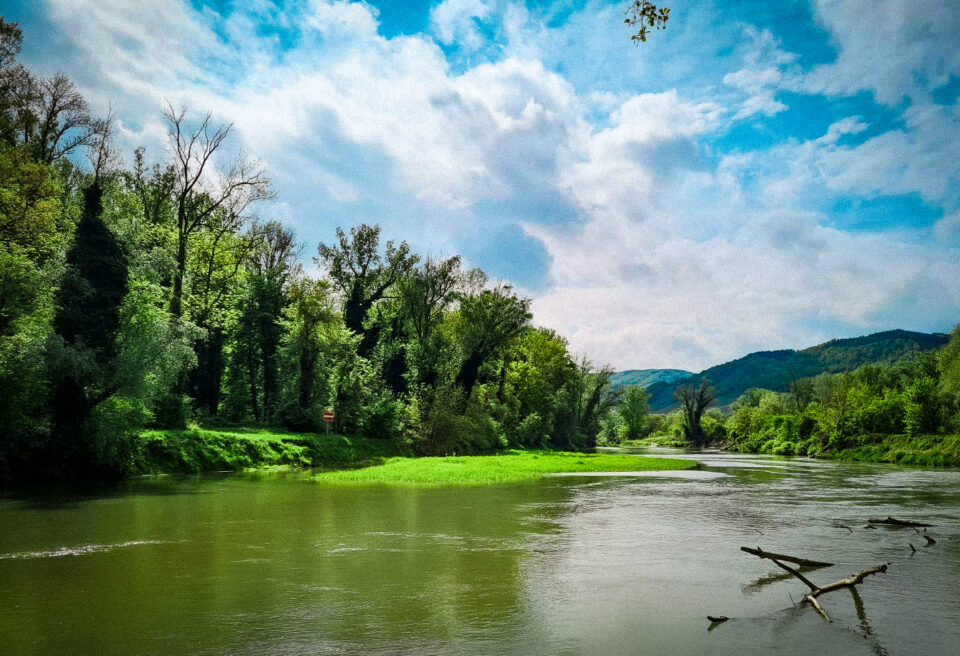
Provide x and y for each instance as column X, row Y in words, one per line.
column 916, row 451
column 201, row 450
column 204, row 450
column 512, row 467
column 919, row 450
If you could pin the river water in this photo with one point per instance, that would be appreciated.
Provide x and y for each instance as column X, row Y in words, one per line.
column 276, row 564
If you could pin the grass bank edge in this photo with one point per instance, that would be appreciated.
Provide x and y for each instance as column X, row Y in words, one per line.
column 509, row 467
column 197, row 450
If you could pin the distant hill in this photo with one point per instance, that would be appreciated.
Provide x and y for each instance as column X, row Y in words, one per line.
column 774, row 369
column 647, row 377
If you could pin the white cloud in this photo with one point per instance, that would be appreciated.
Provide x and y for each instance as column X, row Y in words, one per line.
column 634, row 299
column 918, row 158
column 895, row 49
column 455, row 21
column 763, row 73
column 947, row 229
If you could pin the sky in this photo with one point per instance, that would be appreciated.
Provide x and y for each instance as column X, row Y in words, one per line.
column 759, row 175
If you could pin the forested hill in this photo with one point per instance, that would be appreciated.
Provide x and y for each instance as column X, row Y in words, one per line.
column 647, row 377
column 774, row 370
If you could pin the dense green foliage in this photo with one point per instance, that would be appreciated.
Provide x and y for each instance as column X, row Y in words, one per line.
column 151, row 297
column 906, row 412
column 633, row 410
column 486, row 470
column 196, row 450
column 776, row 370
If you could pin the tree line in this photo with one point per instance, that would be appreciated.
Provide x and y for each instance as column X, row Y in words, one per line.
column 916, row 399
column 151, row 295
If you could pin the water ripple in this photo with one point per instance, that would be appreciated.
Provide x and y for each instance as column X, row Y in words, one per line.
column 77, row 551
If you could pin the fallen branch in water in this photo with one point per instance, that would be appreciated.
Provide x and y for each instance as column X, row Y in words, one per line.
column 897, row 522
column 803, row 562
column 816, row 590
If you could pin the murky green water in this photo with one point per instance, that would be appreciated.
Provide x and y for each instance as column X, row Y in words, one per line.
column 571, row 565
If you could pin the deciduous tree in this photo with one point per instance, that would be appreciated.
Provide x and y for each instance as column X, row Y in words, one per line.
column 693, row 401
column 356, row 267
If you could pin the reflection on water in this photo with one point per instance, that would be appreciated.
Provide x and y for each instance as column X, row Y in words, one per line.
column 570, row 565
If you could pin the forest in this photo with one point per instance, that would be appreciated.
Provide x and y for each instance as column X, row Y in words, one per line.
column 149, row 294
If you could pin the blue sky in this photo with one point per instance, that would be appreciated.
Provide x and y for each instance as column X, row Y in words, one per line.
column 759, row 175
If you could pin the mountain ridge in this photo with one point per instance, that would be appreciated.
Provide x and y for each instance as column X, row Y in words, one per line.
column 646, row 377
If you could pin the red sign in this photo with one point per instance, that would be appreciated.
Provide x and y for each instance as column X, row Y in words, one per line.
column 328, row 415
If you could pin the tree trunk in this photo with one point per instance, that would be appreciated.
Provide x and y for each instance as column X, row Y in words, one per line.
column 215, row 375
column 176, row 299
column 254, row 395
column 467, row 376
column 308, row 369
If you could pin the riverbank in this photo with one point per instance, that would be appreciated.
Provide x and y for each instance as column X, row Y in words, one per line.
column 919, row 450
column 511, row 467
column 200, row 450
column 915, row 451
column 361, row 460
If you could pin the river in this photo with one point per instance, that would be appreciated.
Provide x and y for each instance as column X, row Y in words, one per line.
column 276, row 564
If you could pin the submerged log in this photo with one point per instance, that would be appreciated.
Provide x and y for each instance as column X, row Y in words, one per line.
column 816, row 590
column 893, row 521
column 804, row 562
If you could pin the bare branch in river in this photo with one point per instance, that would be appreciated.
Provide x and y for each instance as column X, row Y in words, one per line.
column 897, row 522
column 804, row 562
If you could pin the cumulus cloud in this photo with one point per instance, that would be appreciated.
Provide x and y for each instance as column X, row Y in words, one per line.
column 918, row 158
column 895, row 49
column 785, row 280
column 763, row 74
column 457, row 21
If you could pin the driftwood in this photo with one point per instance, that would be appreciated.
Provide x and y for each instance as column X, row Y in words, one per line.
column 803, row 562
column 717, row 618
column 816, row 590
column 897, row 522
column 929, row 540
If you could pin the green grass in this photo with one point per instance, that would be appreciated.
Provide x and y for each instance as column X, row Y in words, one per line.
column 199, row 450
column 513, row 467
column 919, row 450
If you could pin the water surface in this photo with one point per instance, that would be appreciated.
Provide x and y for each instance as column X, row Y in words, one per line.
column 276, row 564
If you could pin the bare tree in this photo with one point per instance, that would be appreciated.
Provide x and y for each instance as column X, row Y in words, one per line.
column 63, row 121
column 276, row 251
column 199, row 190
column 102, row 157
column 693, row 401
